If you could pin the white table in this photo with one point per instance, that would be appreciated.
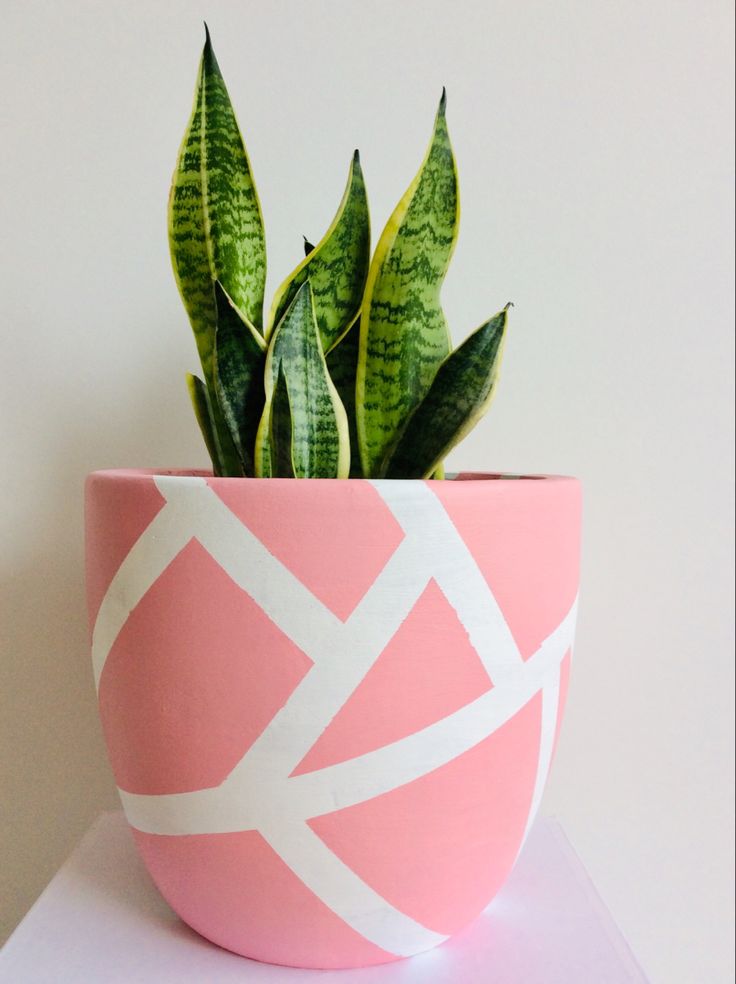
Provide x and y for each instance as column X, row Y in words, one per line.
column 101, row 921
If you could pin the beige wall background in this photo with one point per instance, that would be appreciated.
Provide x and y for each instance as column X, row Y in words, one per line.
column 595, row 146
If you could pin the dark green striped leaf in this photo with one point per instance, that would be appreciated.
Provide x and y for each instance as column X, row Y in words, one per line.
column 336, row 267
column 319, row 427
column 459, row 396
column 403, row 331
column 198, row 396
column 231, row 464
column 215, row 225
column 342, row 364
column 188, row 241
column 222, row 204
column 240, row 355
column 280, row 430
column 220, row 447
column 233, row 220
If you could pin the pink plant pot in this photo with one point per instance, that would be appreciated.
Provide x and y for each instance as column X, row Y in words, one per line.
column 330, row 706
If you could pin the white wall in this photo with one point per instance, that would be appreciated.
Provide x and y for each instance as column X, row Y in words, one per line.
column 594, row 141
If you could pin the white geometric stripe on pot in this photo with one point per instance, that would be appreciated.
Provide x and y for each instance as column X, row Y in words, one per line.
column 489, row 632
column 345, row 893
column 226, row 808
column 550, row 710
column 260, row 793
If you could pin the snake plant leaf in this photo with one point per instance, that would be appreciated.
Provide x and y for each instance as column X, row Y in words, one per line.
column 188, row 239
column 342, row 364
column 233, row 221
column 232, row 466
column 240, row 355
column 200, row 403
column 220, row 447
column 319, row 427
column 459, row 396
column 308, row 247
column 212, row 194
column 280, row 429
column 336, row 267
column 403, row 331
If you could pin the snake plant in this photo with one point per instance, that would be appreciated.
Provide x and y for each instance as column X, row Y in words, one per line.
column 352, row 373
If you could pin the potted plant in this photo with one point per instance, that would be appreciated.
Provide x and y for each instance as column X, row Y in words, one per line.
column 330, row 706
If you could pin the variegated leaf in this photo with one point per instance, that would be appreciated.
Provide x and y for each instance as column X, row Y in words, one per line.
column 279, row 434
column 188, row 240
column 342, row 364
column 190, row 230
column 231, row 464
column 240, row 355
column 198, row 395
column 336, row 267
column 459, row 396
column 233, row 221
column 403, row 331
column 220, row 447
column 319, row 428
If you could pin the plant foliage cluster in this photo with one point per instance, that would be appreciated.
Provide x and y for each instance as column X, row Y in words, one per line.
column 352, row 373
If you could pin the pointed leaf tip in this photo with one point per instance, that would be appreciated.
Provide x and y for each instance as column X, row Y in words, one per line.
column 319, row 438
column 458, row 397
column 402, row 322
column 443, row 100
column 356, row 156
column 337, row 266
column 208, row 53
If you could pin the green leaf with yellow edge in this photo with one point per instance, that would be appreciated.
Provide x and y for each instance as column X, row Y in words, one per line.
column 233, row 221
column 279, row 433
column 319, row 428
column 220, row 447
column 215, row 224
column 403, row 331
column 188, row 239
column 198, row 395
column 460, row 394
column 342, row 364
column 240, row 355
column 336, row 267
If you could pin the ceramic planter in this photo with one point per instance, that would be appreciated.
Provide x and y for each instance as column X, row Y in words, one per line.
column 330, row 706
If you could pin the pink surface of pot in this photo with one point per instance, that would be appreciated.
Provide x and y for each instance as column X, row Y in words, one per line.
column 330, row 706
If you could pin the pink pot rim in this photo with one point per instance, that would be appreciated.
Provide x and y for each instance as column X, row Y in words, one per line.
column 134, row 474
